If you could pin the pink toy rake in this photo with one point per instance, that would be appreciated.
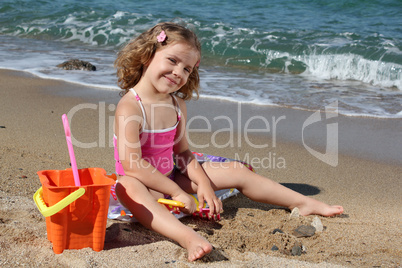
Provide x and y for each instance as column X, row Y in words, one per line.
column 71, row 150
column 174, row 206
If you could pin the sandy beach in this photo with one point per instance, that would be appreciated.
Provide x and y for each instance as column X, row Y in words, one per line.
column 366, row 181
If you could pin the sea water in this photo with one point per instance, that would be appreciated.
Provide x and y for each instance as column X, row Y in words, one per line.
column 297, row 53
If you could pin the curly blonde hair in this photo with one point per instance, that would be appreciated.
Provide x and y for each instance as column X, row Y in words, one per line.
column 138, row 52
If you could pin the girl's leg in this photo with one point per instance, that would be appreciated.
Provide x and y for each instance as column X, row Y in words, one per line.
column 258, row 188
column 138, row 199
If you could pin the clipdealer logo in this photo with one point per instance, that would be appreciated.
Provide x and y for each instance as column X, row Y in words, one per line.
column 330, row 156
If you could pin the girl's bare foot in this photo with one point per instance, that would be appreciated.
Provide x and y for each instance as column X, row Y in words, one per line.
column 316, row 207
column 197, row 246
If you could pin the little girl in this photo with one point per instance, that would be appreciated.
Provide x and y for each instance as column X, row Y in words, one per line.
column 158, row 71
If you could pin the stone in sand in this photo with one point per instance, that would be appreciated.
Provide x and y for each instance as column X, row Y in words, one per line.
column 297, row 249
column 274, row 248
column 277, row 230
column 317, row 224
column 304, row 231
column 295, row 213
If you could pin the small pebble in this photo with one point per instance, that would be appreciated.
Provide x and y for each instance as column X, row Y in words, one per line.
column 2, row 126
column 304, row 231
column 277, row 230
column 274, row 248
column 317, row 224
column 295, row 213
column 296, row 250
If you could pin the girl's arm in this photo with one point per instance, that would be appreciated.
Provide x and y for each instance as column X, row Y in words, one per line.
column 128, row 120
column 189, row 166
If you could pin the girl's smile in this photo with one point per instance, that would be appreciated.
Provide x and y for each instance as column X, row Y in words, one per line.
column 171, row 81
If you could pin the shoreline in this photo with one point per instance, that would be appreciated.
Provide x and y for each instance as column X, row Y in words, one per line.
column 371, row 138
column 367, row 186
column 202, row 98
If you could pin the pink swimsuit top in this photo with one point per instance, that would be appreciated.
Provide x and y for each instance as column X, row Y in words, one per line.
column 156, row 145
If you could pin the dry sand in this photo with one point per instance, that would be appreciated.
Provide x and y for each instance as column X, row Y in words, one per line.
column 32, row 139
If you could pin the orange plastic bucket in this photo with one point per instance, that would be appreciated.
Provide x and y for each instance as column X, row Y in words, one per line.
column 82, row 223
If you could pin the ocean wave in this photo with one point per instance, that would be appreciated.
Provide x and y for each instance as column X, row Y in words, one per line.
column 354, row 67
column 86, row 26
column 300, row 62
column 372, row 59
column 277, row 50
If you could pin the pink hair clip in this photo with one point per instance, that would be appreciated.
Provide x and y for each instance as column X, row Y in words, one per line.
column 161, row 37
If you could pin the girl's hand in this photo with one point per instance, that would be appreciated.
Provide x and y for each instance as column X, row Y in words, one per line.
column 188, row 201
column 205, row 193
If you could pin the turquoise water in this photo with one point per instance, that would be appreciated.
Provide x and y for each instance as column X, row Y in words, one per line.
column 303, row 54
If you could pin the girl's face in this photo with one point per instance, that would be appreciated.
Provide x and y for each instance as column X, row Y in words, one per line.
column 171, row 66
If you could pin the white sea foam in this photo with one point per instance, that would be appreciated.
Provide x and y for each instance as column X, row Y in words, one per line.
column 354, row 67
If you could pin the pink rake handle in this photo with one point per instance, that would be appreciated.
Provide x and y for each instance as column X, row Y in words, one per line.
column 71, row 150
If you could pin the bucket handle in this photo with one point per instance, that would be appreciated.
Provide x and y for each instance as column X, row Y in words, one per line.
column 49, row 211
